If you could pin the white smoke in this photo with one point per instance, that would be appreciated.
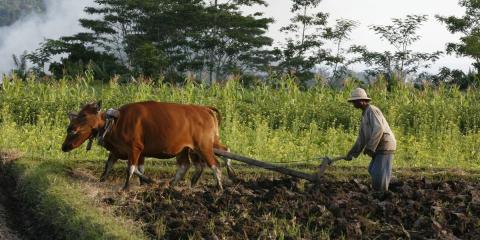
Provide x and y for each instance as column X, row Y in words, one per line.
column 60, row 19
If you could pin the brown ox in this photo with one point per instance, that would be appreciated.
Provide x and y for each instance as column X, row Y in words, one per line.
column 152, row 129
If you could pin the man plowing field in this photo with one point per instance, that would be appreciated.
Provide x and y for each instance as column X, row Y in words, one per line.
column 375, row 139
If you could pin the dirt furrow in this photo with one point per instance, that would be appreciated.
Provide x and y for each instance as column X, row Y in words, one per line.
column 5, row 231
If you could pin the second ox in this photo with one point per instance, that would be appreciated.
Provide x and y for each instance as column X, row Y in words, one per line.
column 151, row 129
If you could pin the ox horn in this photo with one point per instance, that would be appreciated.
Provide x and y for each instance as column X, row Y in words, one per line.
column 98, row 105
column 72, row 115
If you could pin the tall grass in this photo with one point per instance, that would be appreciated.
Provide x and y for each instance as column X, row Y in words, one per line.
column 434, row 127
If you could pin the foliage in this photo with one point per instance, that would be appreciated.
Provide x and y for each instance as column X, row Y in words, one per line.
column 398, row 64
column 303, row 49
column 338, row 35
column 469, row 27
column 153, row 38
column 453, row 77
column 434, row 127
column 209, row 40
column 78, row 55
column 20, row 65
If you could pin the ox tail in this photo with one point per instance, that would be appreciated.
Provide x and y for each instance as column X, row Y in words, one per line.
column 218, row 118
column 218, row 145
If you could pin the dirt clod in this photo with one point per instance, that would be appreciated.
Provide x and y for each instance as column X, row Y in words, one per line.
column 8, row 155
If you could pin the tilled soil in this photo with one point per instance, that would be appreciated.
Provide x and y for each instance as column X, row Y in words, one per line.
column 6, row 216
column 268, row 208
column 5, row 232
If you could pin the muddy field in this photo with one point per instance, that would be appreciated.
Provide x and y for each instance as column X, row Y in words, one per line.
column 6, row 233
column 6, row 216
column 275, row 207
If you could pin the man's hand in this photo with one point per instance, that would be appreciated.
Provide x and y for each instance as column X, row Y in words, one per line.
column 369, row 152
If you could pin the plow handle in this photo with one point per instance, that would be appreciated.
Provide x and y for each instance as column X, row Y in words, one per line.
column 266, row 165
column 323, row 166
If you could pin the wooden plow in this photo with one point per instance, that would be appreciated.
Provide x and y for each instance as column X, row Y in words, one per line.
column 280, row 169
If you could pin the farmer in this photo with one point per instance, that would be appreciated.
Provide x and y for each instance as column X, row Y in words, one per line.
column 375, row 139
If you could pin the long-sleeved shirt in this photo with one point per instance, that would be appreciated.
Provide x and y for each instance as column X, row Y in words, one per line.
column 375, row 133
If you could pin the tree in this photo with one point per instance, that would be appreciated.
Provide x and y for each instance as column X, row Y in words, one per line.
column 237, row 41
column 403, row 61
column 469, row 26
column 173, row 28
column 148, row 60
column 152, row 38
column 78, row 55
column 338, row 35
column 100, row 49
column 110, row 32
column 452, row 77
column 20, row 62
column 215, row 38
column 303, row 49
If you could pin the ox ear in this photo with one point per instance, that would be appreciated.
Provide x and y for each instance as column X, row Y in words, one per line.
column 98, row 105
column 95, row 106
column 72, row 116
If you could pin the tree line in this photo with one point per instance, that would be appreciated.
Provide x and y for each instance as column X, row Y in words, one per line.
column 209, row 40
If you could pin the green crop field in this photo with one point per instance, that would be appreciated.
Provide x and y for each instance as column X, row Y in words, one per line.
column 435, row 128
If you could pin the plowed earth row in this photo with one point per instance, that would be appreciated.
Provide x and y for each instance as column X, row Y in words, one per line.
column 272, row 207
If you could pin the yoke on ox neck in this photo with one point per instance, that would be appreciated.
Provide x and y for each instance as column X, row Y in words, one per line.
column 111, row 115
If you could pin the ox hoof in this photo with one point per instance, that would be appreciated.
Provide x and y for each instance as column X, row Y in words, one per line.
column 103, row 179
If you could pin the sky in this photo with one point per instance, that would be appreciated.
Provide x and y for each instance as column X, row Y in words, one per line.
column 380, row 12
column 61, row 19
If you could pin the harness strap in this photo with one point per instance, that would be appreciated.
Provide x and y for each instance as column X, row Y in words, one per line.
column 90, row 142
column 110, row 116
column 106, row 129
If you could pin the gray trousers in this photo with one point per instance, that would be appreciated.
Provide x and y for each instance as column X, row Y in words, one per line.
column 380, row 170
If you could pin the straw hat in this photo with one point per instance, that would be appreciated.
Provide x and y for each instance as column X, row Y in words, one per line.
column 359, row 94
